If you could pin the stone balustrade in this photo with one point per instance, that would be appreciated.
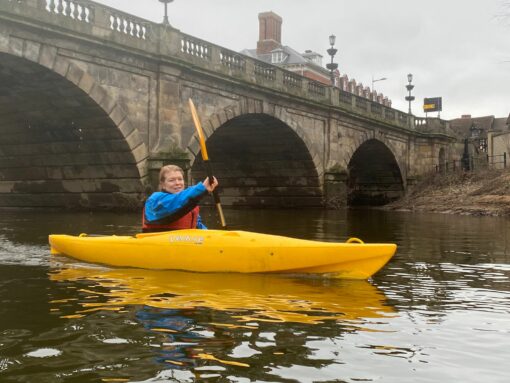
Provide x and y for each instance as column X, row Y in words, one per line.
column 431, row 125
column 195, row 48
column 265, row 71
column 76, row 10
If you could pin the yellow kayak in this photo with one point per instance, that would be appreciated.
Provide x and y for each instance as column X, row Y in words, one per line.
column 227, row 251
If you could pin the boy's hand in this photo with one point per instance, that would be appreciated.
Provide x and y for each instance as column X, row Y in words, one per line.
column 210, row 186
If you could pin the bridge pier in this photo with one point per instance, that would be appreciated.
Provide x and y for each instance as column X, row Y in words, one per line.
column 335, row 189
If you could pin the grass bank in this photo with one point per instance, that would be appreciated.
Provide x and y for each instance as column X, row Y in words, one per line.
column 482, row 192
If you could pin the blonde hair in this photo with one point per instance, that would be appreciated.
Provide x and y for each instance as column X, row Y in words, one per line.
column 168, row 169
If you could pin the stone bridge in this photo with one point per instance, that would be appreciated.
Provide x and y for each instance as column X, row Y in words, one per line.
column 93, row 101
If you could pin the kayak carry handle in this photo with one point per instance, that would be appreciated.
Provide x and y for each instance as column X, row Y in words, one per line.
column 354, row 240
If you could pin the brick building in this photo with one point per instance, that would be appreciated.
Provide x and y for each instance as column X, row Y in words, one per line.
column 308, row 64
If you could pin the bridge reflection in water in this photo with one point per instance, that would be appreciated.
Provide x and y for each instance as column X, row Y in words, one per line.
column 187, row 312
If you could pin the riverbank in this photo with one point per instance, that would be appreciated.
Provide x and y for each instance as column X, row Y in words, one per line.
column 485, row 192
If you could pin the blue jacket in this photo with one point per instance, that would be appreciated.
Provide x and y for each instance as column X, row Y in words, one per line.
column 162, row 204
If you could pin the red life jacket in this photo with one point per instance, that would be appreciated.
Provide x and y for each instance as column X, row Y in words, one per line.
column 187, row 221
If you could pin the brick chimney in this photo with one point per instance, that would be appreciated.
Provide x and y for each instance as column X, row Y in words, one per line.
column 270, row 32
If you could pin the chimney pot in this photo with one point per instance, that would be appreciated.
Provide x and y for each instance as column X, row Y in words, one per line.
column 270, row 32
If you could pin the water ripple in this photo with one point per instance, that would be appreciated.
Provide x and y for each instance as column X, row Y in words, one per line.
column 22, row 254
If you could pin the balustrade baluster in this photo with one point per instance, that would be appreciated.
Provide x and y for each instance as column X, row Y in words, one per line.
column 60, row 6
column 67, row 7
column 128, row 27
column 115, row 24
column 52, row 6
column 76, row 12
column 83, row 14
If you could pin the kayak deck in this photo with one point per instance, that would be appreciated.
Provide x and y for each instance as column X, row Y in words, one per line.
column 227, row 251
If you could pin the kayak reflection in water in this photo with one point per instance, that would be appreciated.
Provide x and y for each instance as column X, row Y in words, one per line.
column 175, row 207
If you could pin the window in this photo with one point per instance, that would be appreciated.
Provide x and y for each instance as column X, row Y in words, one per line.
column 277, row 57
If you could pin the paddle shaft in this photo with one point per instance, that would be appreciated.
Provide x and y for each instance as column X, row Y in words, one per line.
column 216, row 196
column 205, row 157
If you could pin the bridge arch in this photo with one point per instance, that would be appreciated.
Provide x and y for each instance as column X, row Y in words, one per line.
column 262, row 160
column 375, row 176
column 64, row 141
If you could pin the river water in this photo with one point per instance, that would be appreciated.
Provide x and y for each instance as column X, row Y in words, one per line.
column 438, row 312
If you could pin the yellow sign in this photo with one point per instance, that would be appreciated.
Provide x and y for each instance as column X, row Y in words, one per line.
column 434, row 104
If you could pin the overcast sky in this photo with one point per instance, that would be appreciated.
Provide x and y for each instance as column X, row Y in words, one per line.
column 456, row 49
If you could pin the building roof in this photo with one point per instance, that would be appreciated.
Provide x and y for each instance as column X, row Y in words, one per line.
column 461, row 126
column 466, row 122
column 291, row 57
column 500, row 124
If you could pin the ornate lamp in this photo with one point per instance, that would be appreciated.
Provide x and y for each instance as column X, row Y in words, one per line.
column 165, row 19
column 332, row 52
column 409, row 87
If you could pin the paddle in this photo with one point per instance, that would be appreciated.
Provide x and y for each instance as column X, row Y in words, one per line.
column 205, row 157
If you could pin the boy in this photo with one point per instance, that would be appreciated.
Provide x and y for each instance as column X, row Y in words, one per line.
column 174, row 207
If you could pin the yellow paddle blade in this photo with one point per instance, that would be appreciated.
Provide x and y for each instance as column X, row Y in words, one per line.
column 200, row 132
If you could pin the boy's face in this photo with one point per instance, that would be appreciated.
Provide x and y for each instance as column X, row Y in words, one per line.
column 173, row 183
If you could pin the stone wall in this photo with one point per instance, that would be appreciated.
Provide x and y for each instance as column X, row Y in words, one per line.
column 498, row 148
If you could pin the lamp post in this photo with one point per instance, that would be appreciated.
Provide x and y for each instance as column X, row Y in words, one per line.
column 409, row 87
column 165, row 19
column 379, row 79
column 332, row 52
